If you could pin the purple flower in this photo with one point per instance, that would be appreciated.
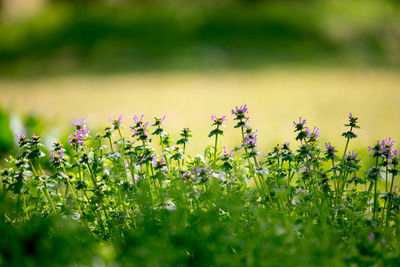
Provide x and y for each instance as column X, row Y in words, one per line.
column 159, row 163
column 80, row 126
column 77, row 138
column 56, row 158
column 113, row 118
column 202, row 173
column 387, row 145
column 251, row 139
column 116, row 122
column 186, row 175
column 330, row 151
column 328, row 147
column 241, row 111
column 314, row 134
column 376, row 150
column 136, row 119
column 352, row 156
column 371, row 236
column 140, row 130
column 21, row 135
column 22, row 140
column 350, row 116
column 301, row 122
column 303, row 169
column 218, row 120
column 230, row 153
column 159, row 121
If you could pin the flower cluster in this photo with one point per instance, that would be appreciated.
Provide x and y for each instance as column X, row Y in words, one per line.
column 330, row 151
column 351, row 162
column 218, row 121
column 22, row 140
column 303, row 131
column 227, row 159
column 116, row 122
column 312, row 136
column 77, row 138
column 159, row 121
column 251, row 138
column 240, row 115
column 140, row 129
column 202, row 174
column 57, row 156
column 353, row 125
column 159, row 163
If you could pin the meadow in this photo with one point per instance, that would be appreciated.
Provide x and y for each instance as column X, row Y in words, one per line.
column 112, row 199
column 199, row 133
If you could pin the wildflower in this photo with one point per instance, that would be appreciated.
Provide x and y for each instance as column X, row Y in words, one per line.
column 80, row 126
column 353, row 125
column 141, row 131
column 159, row 121
column 116, row 122
column 35, row 140
column 285, row 146
column 137, row 121
column 371, row 235
column 76, row 139
column 250, row 139
column 186, row 175
column 312, row 136
column 218, row 121
column 56, row 156
column 352, row 156
column 299, row 126
column 352, row 121
column 240, row 113
column 304, row 132
column 351, row 162
column 58, row 147
column 22, row 140
column 230, row 153
column 202, row 173
column 376, row 150
column 330, row 151
column 159, row 163
column 387, row 145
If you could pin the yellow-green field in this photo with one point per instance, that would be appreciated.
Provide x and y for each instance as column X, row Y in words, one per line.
column 275, row 98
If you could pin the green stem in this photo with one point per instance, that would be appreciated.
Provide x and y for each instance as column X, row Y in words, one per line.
column 47, row 194
column 390, row 201
column 111, row 146
column 215, row 149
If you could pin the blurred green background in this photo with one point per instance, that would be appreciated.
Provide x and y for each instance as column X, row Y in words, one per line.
column 322, row 59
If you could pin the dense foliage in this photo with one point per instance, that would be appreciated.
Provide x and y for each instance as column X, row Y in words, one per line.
column 200, row 35
column 112, row 199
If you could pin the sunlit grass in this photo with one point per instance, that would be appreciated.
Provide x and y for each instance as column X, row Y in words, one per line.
column 275, row 98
